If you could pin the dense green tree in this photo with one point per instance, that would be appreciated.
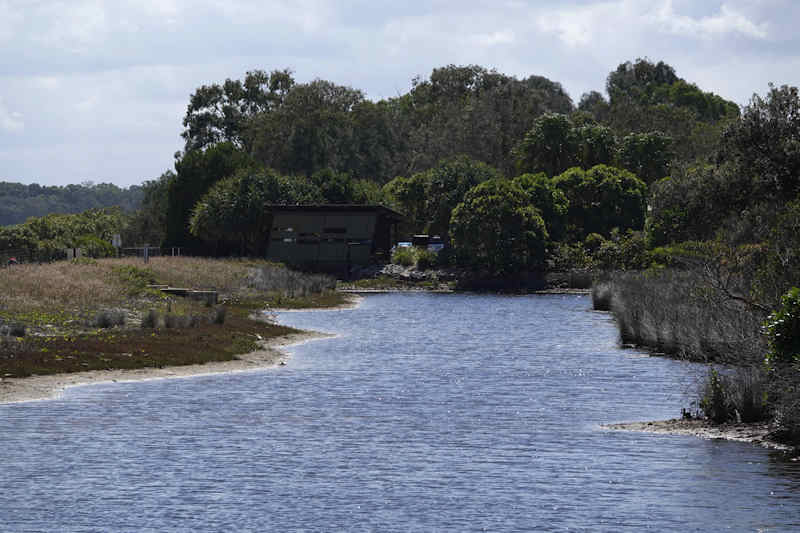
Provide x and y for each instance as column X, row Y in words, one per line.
column 195, row 173
column 409, row 196
column 551, row 202
column 646, row 97
column 220, row 113
column 647, row 155
column 637, row 81
column 596, row 105
column 549, row 147
column 313, row 129
column 595, row 145
column 477, row 112
column 428, row 198
column 602, row 198
column 741, row 196
column 447, row 183
column 498, row 229
column 148, row 224
column 368, row 193
column 336, row 187
column 765, row 143
column 235, row 209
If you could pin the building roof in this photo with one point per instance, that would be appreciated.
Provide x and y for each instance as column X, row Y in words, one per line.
column 336, row 208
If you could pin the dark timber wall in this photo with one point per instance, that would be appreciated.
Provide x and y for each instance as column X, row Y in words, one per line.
column 331, row 237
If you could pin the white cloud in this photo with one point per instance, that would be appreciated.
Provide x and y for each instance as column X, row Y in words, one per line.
column 589, row 25
column 10, row 121
column 727, row 21
column 495, row 38
column 115, row 77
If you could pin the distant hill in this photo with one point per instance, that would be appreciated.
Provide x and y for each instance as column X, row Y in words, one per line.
column 18, row 202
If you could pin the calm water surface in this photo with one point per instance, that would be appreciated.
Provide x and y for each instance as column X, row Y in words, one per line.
column 427, row 413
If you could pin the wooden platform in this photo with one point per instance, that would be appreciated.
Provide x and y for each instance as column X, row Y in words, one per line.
column 209, row 296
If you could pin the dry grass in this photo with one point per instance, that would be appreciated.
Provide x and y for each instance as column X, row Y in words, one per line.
column 63, row 292
column 54, row 292
column 224, row 275
column 67, row 301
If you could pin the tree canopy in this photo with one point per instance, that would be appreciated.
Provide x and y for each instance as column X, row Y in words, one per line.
column 602, row 198
column 497, row 229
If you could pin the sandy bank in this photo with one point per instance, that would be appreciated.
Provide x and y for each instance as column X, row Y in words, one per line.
column 271, row 354
column 353, row 300
column 758, row 433
column 45, row 387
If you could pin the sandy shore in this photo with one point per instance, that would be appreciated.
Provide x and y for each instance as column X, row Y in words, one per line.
column 34, row 388
column 753, row 433
column 271, row 354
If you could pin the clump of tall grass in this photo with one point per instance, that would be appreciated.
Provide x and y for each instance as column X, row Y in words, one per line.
column 275, row 278
column 601, row 296
column 738, row 395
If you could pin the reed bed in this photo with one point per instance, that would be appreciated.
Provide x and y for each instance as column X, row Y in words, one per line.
column 676, row 313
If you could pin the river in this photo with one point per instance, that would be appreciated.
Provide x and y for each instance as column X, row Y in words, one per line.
column 428, row 412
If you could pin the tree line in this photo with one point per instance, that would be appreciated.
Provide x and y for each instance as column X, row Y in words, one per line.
column 18, row 202
column 269, row 139
column 466, row 140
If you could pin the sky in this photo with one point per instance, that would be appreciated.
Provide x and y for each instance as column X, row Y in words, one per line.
column 94, row 90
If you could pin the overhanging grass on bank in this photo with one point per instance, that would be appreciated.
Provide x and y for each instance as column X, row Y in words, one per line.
column 676, row 312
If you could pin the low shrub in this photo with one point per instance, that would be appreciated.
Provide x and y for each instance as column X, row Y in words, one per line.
column 404, row 257
column 219, row 315
column 783, row 330
column 109, row 318
column 12, row 330
column 714, row 401
column 153, row 320
column 426, row 259
column 422, row 258
column 134, row 278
